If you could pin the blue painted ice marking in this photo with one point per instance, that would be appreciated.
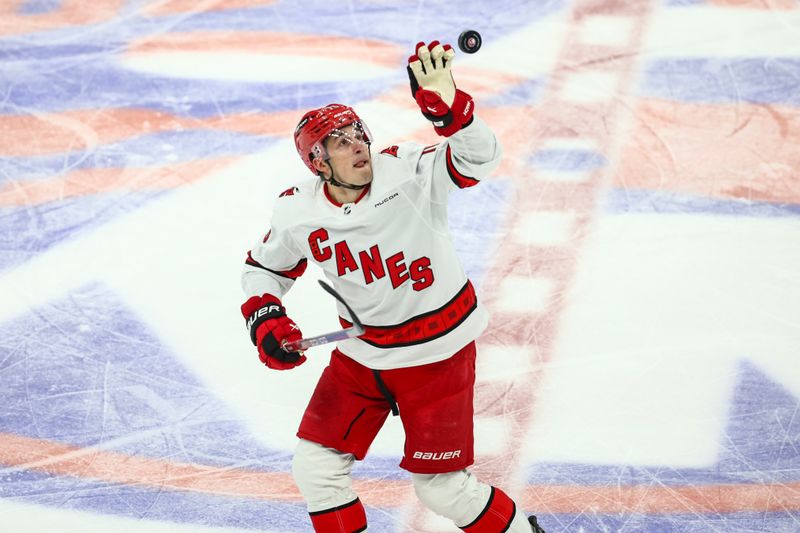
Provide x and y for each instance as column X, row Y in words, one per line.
column 663, row 202
column 760, row 80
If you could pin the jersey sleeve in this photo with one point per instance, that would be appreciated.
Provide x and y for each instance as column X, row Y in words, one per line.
column 273, row 264
column 467, row 156
column 463, row 159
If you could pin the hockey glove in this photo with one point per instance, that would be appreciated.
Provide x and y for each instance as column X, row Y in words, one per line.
column 435, row 91
column 270, row 329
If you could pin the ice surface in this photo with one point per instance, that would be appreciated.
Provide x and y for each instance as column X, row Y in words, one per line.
column 639, row 249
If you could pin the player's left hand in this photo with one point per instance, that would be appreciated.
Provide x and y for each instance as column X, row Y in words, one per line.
column 433, row 88
column 431, row 68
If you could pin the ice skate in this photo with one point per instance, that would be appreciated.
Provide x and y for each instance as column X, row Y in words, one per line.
column 535, row 527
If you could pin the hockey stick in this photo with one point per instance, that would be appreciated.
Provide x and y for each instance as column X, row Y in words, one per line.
column 354, row 331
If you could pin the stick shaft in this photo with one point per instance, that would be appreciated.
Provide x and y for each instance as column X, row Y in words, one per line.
column 310, row 342
column 354, row 331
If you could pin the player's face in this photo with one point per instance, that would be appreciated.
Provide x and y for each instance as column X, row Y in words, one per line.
column 348, row 155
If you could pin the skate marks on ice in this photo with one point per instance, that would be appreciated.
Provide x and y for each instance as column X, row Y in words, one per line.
column 671, row 238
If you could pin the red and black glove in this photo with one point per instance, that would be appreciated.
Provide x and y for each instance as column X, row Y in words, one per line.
column 435, row 91
column 270, row 329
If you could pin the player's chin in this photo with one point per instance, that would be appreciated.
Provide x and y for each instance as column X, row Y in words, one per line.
column 364, row 175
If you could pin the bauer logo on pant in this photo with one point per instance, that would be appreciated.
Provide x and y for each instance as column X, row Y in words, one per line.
column 437, row 456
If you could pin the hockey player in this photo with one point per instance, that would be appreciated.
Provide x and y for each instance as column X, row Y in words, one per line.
column 376, row 223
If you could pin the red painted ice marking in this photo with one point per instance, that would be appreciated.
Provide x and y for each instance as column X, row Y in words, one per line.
column 718, row 158
column 560, row 119
column 102, row 180
column 70, row 131
column 69, row 13
column 26, row 453
column 373, row 51
column 769, row 5
column 174, row 7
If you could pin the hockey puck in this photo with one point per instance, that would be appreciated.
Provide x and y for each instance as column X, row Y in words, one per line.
column 469, row 41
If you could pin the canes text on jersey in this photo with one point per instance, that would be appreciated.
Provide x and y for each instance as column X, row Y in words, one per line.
column 372, row 264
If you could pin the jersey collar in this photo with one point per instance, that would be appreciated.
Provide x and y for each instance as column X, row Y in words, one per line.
column 339, row 204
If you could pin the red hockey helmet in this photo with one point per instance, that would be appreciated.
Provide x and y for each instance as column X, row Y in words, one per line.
column 318, row 124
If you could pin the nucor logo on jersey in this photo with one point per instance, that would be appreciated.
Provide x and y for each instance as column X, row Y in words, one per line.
column 437, row 456
column 395, row 195
column 371, row 262
column 261, row 312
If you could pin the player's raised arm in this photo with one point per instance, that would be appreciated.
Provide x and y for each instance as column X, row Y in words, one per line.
column 471, row 150
column 432, row 85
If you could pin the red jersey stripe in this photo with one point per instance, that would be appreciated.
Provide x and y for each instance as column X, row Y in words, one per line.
column 293, row 273
column 424, row 327
column 458, row 178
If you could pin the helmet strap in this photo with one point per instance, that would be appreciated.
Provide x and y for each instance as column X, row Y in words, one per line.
column 336, row 183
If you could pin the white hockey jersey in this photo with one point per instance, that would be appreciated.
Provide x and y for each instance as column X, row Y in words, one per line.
column 389, row 254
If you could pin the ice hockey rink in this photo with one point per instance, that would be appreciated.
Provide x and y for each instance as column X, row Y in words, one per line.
column 638, row 248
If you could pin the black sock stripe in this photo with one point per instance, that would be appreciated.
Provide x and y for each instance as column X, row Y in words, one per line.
column 334, row 509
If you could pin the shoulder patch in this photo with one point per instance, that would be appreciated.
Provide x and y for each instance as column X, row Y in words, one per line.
column 392, row 150
column 289, row 192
